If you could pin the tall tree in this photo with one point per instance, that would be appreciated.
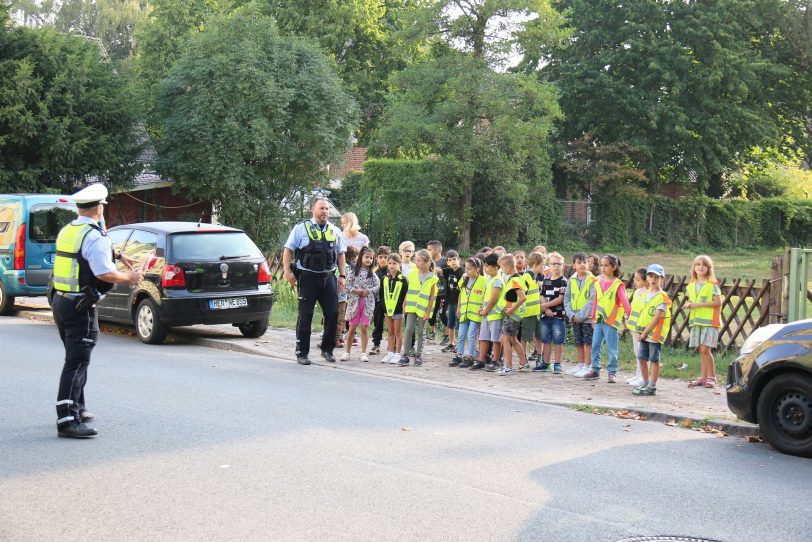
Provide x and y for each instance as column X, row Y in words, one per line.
column 364, row 37
column 685, row 82
column 488, row 130
column 250, row 116
column 64, row 113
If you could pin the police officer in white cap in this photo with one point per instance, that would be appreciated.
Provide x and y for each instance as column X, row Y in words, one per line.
column 84, row 270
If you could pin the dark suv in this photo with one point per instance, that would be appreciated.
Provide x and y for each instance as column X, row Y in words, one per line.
column 193, row 274
column 770, row 383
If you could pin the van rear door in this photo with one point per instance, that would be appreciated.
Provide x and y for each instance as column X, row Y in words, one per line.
column 44, row 222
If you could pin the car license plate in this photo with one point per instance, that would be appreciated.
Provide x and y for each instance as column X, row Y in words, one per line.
column 229, row 303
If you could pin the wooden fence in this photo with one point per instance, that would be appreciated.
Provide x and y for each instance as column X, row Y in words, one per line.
column 746, row 304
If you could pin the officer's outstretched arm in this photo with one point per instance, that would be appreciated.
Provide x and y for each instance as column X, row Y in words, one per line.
column 117, row 277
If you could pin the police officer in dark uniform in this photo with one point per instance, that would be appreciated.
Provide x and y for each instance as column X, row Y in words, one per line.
column 318, row 249
column 84, row 270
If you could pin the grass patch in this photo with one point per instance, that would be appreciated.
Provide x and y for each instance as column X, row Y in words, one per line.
column 286, row 307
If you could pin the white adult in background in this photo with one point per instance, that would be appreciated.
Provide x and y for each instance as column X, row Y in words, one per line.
column 352, row 231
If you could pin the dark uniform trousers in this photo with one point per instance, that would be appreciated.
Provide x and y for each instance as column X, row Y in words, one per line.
column 377, row 321
column 313, row 287
column 79, row 332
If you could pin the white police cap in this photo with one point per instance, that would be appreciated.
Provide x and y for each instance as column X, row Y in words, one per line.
column 90, row 196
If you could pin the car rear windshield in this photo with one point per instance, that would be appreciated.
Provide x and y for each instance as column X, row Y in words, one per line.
column 206, row 246
column 45, row 220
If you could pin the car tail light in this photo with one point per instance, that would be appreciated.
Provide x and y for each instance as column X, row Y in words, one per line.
column 264, row 276
column 19, row 248
column 173, row 277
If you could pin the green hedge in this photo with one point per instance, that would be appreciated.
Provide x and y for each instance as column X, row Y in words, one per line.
column 631, row 220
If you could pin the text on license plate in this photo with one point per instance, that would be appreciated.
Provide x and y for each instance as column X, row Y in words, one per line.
column 229, row 303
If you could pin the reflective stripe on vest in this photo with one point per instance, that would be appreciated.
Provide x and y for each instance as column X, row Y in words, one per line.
column 496, row 311
column 316, row 234
column 607, row 306
column 638, row 300
column 390, row 299
column 532, row 305
column 66, row 264
column 580, row 296
column 703, row 316
column 470, row 304
column 647, row 312
column 418, row 296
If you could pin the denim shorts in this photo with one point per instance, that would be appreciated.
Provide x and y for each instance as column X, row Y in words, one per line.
column 582, row 332
column 452, row 316
column 552, row 330
column 490, row 330
column 647, row 351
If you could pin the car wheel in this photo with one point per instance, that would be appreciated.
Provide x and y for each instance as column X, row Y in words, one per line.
column 785, row 413
column 148, row 325
column 254, row 329
column 6, row 302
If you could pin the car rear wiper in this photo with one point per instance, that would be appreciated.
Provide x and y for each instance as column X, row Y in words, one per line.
column 234, row 257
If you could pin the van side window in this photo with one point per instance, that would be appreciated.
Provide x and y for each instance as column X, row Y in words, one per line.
column 46, row 220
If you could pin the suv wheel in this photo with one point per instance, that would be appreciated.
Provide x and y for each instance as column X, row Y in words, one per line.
column 6, row 302
column 785, row 413
column 254, row 329
column 148, row 325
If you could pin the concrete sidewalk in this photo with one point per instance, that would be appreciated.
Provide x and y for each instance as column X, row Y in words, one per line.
column 674, row 402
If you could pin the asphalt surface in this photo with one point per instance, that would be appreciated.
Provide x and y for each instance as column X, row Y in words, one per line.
column 197, row 443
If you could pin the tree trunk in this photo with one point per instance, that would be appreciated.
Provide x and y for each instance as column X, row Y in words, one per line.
column 465, row 215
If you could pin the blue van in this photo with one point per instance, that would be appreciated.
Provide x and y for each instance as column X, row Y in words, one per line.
column 29, row 224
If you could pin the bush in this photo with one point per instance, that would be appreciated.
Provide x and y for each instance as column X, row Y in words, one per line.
column 631, row 220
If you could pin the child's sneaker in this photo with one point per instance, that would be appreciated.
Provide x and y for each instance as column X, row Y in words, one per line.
column 644, row 390
column 364, row 356
column 455, row 361
column 506, row 371
column 449, row 348
column 386, row 358
column 418, row 361
column 582, row 371
column 477, row 366
column 375, row 350
column 636, row 381
column 444, row 340
column 430, row 335
column 612, row 378
column 592, row 375
column 394, row 359
column 467, row 362
column 345, row 356
column 557, row 369
column 355, row 341
column 545, row 367
column 404, row 361
column 491, row 367
column 340, row 343
column 539, row 367
column 574, row 370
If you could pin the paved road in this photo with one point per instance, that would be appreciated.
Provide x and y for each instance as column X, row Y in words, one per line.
column 204, row 444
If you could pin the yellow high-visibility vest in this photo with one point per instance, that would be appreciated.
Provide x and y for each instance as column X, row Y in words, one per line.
column 647, row 312
column 607, row 307
column 470, row 304
column 703, row 316
column 418, row 295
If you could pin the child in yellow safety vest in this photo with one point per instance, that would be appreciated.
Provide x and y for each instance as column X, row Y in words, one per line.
column 704, row 317
column 532, row 307
column 472, row 294
column 637, row 301
column 490, row 329
column 419, row 304
column 393, row 292
column 512, row 298
column 610, row 305
column 578, row 307
column 653, row 325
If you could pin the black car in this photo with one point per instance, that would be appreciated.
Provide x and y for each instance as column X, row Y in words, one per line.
column 770, row 383
column 193, row 274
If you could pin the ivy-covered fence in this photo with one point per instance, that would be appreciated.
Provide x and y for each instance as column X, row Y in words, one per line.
column 628, row 220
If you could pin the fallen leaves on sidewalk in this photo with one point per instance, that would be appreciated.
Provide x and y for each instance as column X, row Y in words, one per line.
column 700, row 426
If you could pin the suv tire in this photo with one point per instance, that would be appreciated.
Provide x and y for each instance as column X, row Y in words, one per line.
column 148, row 325
column 6, row 302
column 785, row 413
column 255, row 329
